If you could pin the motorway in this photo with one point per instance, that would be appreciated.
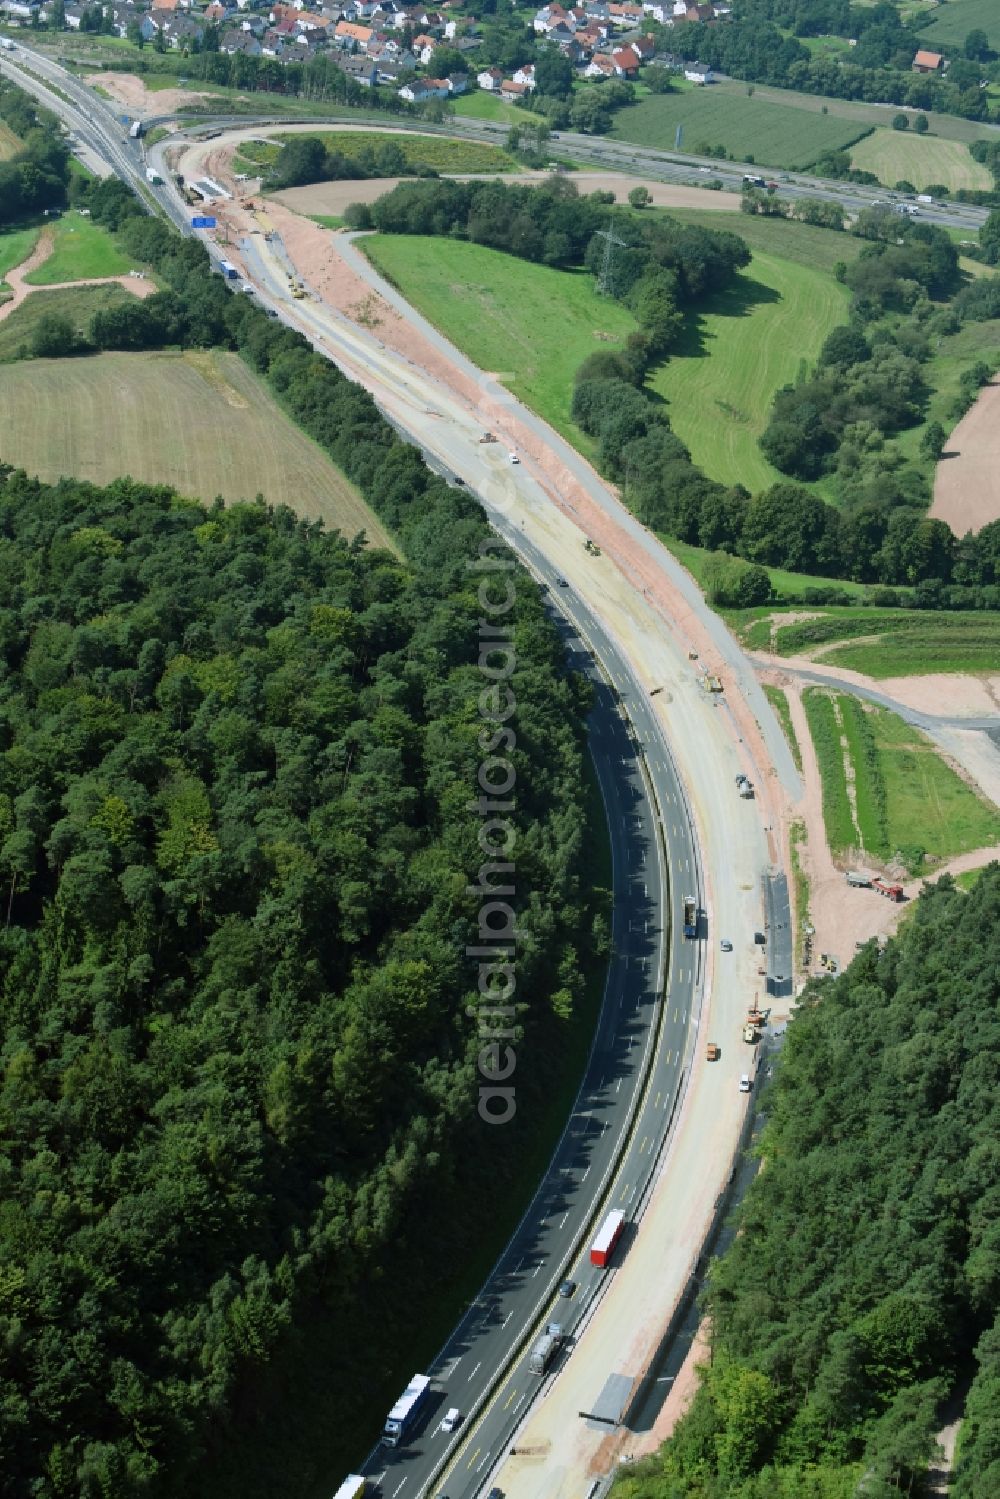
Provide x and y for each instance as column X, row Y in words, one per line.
column 638, row 161
column 657, row 987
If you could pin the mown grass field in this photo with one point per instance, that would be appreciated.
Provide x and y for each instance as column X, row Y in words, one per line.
column 953, row 22
column 426, row 150
column 480, row 106
column 15, row 246
column 805, row 244
column 921, row 159
column 200, row 421
column 530, row 325
column 886, row 643
column 750, row 128
column 737, row 350
column 907, row 801
column 9, row 142
column 77, row 303
column 791, row 586
column 82, row 251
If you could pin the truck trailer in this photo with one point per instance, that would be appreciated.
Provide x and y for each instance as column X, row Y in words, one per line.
column 610, row 1232
column 406, row 1410
column 546, row 1348
column 153, row 176
column 229, row 270
column 135, row 130
column 857, row 880
column 891, row 892
column 353, row 1487
column 690, row 916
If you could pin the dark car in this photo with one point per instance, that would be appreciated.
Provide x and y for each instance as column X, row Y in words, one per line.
column 567, row 1288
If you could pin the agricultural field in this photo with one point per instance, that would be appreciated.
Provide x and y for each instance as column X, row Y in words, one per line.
column 894, row 155
column 952, row 23
column 736, row 351
column 9, row 142
column 529, row 324
column 886, row 791
column 76, row 303
column 82, row 251
column 952, row 356
column 885, row 643
column 749, row 127
column 200, row 421
column 444, row 155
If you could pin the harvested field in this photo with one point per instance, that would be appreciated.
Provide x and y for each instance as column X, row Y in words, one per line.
column 967, row 481
column 894, row 155
column 200, row 421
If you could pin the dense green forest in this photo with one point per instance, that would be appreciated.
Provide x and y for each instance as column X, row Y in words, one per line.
column 238, row 1025
column 35, row 177
column 866, row 1269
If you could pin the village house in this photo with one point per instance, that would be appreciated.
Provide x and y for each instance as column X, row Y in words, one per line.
column 490, row 80
column 698, row 72
column 240, row 42
column 626, row 62
column 600, row 66
column 526, row 75
column 361, row 69
column 927, row 62
column 352, row 36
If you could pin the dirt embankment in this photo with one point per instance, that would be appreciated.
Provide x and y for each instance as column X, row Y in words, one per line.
column 129, row 90
column 967, row 482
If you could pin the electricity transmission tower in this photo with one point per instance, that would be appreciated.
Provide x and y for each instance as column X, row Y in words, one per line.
column 607, row 279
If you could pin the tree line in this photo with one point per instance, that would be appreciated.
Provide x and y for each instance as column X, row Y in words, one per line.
column 864, row 1270
column 35, row 177
column 306, row 158
column 237, row 870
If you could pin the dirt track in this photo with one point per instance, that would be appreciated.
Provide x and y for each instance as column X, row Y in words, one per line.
column 967, row 482
column 333, row 197
column 15, row 278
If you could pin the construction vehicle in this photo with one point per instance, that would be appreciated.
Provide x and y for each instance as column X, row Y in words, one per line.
column 754, row 1023
column 711, row 683
column 690, row 916
column 590, row 547
column 488, row 437
column 714, row 1051
column 744, row 786
column 891, row 892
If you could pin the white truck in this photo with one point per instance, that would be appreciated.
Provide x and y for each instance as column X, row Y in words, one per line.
column 353, row 1487
column 153, row 176
column 135, row 130
column 7, row 44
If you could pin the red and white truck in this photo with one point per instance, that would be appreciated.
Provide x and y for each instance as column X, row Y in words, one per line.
column 610, row 1231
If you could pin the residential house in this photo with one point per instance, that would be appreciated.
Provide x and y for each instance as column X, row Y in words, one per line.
column 698, row 72
column 626, row 62
column 73, row 15
column 625, row 15
column 549, row 16
column 181, row 31
column 361, row 69
column 351, row 36
column 242, row 42
column 512, row 91
column 600, row 66
column 457, row 83
column 526, row 75
column 643, row 46
column 125, row 16
column 490, row 80
column 661, row 11
column 272, row 43
column 422, row 89
column 561, row 34
column 927, row 62
column 696, row 13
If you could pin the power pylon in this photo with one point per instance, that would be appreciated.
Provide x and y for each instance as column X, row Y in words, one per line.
column 607, row 279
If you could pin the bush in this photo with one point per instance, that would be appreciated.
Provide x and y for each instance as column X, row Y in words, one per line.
column 900, row 122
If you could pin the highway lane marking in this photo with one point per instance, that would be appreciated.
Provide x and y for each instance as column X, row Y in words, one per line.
column 509, row 1398
column 537, row 1268
column 506, row 1319
column 475, row 1372
column 656, row 1101
column 486, row 1458
column 618, row 1086
column 624, row 1190
column 585, row 1175
column 396, row 1490
column 562, row 1223
column 677, row 1057
column 520, row 1403
column 645, row 1144
column 474, row 1456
